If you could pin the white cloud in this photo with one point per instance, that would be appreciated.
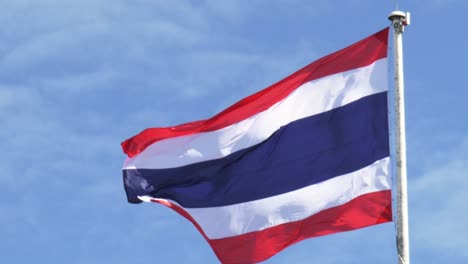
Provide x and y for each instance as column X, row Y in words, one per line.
column 438, row 203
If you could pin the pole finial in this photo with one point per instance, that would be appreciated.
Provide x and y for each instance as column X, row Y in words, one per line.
column 399, row 20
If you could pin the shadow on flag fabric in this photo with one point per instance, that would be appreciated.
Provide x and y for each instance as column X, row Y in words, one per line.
column 306, row 157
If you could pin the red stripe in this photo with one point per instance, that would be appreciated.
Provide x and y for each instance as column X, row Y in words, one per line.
column 365, row 210
column 360, row 54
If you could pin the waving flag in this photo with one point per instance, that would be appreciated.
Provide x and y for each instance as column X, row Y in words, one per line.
column 305, row 157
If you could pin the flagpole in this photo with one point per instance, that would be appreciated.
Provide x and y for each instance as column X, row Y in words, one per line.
column 399, row 21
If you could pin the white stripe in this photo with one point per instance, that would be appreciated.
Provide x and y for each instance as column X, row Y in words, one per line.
column 309, row 99
column 232, row 220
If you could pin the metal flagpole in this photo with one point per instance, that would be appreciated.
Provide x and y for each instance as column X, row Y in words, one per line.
column 399, row 21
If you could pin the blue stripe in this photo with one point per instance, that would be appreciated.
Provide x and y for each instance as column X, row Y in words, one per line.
column 302, row 153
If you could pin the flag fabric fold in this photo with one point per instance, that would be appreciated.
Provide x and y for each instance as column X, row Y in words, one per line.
column 306, row 157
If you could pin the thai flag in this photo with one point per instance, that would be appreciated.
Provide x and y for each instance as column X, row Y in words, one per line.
column 305, row 157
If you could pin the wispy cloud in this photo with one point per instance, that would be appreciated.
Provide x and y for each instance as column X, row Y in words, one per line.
column 437, row 220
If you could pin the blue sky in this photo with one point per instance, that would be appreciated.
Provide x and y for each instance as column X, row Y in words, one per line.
column 79, row 77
